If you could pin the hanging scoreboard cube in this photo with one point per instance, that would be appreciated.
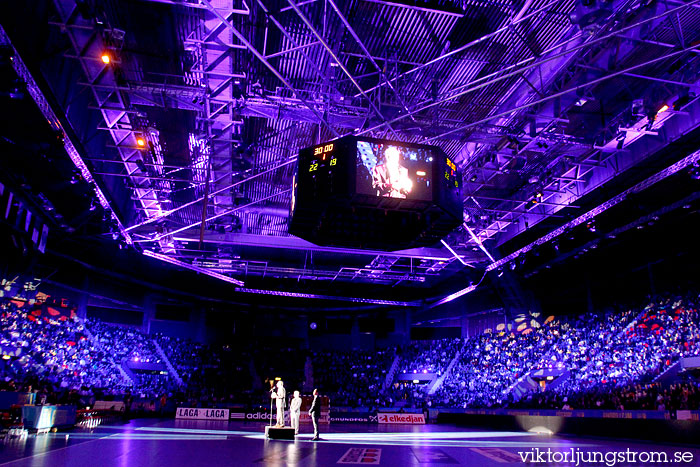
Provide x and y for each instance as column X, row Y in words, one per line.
column 375, row 194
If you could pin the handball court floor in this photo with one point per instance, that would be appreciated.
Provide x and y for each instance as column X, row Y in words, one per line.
column 180, row 443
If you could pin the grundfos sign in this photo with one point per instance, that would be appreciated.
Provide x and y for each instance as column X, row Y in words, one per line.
column 201, row 414
column 398, row 418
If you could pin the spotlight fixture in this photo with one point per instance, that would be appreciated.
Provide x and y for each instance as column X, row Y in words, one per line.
column 105, row 57
column 663, row 109
column 141, row 141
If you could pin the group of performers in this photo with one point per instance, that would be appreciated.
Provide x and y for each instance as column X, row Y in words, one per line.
column 280, row 396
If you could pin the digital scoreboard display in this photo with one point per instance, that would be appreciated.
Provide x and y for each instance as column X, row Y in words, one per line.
column 373, row 193
column 321, row 153
column 320, row 171
column 391, row 170
column 451, row 183
column 451, row 174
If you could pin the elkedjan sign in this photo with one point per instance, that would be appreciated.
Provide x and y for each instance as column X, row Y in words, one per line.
column 395, row 418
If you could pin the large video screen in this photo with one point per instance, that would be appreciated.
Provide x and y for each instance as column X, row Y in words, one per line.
column 394, row 171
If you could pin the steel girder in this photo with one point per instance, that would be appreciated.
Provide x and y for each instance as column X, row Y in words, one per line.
column 114, row 105
column 212, row 93
column 59, row 123
column 294, row 243
column 687, row 161
column 573, row 183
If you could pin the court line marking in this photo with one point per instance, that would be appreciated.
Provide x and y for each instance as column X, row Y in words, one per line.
column 56, row 450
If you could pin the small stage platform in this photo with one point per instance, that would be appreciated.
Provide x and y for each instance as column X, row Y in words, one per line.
column 286, row 432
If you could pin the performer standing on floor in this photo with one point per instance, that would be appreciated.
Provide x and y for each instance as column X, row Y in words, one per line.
column 315, row 412
column 294, row 411
column 280, row 396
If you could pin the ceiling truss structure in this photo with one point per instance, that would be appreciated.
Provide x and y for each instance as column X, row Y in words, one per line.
column 538, row 111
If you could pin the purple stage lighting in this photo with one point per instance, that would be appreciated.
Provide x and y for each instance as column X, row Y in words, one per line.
column 454, row 296
column 667, row 172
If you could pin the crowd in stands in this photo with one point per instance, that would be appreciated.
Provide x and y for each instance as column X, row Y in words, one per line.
column 55, row 351
column 579, row 337
column 124, row 343
column 429, row 356
column 420, row 357
column 607, row 360
column 491, row 363
column 650, row 396
column 152, row 384
column 615, row 354
column 353, row 379
column 210, row 374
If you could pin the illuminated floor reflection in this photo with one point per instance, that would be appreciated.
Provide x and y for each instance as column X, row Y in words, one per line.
column 179, row 443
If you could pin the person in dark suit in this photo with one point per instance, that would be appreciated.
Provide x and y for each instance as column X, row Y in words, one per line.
column 315, row 413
